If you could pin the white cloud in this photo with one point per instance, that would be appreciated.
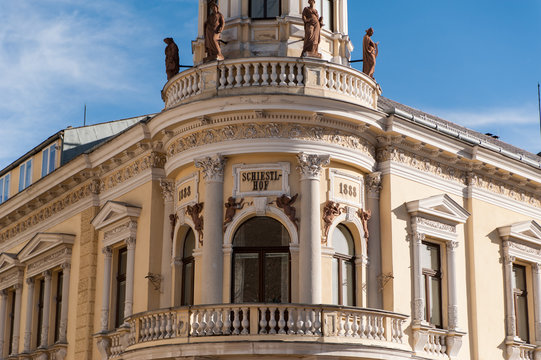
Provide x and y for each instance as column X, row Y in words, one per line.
column 518, row 115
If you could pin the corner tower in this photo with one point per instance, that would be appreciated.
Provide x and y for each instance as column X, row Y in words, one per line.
column 275, row 28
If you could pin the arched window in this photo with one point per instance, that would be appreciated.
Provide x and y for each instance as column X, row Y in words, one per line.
column 343, row 267
column 188, row 265
column 261, row 262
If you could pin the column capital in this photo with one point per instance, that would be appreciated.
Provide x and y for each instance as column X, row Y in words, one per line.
column 107, row 251
column 3, row 294
column 167, row 189
column 47, row 274
column 310, row 165
column 18, row 287
column 130, row 242
column 452, row 245
column 508, row 259
column 373, row 183
column 66, row 266
column 536, row 268
column 30, row 282
column 212, row 167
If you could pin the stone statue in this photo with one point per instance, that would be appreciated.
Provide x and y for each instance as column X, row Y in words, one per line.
column 213, row 28
column 370, row 52
column 365, row 216
column 171, row 58
column 286, row 203
column 194, row 211
column 330, row 212
column 312, row 30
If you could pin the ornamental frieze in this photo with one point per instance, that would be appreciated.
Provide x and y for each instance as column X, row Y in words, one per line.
column 49, row 261
column 269, row 130
column 51, row 209
column 153, row 160
column 525, row 248
column 436, row 225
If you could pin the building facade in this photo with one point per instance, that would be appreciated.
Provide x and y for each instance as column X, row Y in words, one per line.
column 277, row 207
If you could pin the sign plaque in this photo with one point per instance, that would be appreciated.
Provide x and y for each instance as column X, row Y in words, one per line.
column 261, row 179
column 346, row 188
column 187, row 191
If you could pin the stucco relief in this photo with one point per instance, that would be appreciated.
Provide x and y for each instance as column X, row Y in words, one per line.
column 269, row 130
column 525, row 248
column 130, row 226
column 49, row 261
column 435, row 225
column 153, row 160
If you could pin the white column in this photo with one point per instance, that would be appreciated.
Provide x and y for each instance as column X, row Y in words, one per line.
column 44, row 341
column 213, row 214
column 29, row 312
column 167, row 243
column 130, row 269
column 16, row 320
column 537, row 301
column 418, row 301
column 3, row 323
column 509, row 303
column 66, row 272
column 374, row 293
column 310, row 167
column 451, row 285
column 106, row 294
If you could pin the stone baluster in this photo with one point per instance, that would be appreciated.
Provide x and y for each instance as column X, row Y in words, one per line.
column 223, row 70
column 247, row 76
column 236, row 321
column 291, row 75
column 263, row 320
column 272, row 321
column 245, row 321
column 256, row 76
column 213, row 173
column 238, row 77
column 281, row 321
column 274, row 75
column 283, row 75
column 310, row 167
column 44, row 341
column 300, row 76
column 265, row 75
column 230, row 77
column 290, row 321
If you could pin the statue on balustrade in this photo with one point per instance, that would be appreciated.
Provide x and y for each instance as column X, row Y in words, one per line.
column 312, row 30
column 370, row 52
column 172, row 60
column 213, row 29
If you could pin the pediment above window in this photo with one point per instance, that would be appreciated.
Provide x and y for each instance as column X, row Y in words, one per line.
column 439, row 206
column 113, row 212
column 46, row 251
column 8, row 261
column 529, row 231
column 436, row 216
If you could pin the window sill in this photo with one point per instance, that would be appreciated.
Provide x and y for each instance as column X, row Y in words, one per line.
column 56, row 351
column 431, row 342
column 519, row 350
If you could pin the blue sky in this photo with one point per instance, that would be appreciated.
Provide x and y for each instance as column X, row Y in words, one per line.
column 476, row 63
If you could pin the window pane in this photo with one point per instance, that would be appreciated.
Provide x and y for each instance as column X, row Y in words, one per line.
column 52, row 158
column 519, row 277
column 261, row 231
column 435, row 301
column 1, row 190
column 347, row 284
column 28, row 175
column 6, row 187
column 121, row 299
column 257, row 9
column 335, row 281
column 522, row 317
column 342, row 241
column 273, row 8
column 188, row 284
column 246, row 282
column 327, row 14
column 430, row 256
column 44, row 162
column 189, row 244
column 276, row 280
column 21, row 177
column 122, row 261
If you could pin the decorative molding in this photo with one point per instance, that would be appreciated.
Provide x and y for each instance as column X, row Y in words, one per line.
column 212, row 167
column 373, row 183
column 330, row 211
column 167, row 190
column 365, row 216
column 46, row 251
column 283, row 181
column 281, row 130
column 311, row 165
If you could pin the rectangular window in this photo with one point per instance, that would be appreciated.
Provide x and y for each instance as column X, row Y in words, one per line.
column 432, row 287
column 41, row 298
column 11, row 319
column 58, row 305
column 25, row 175
column 4, row 188
column 120, row 286
column 520, row 302
column 325, row 9
column 48, row 160
column 264, row 9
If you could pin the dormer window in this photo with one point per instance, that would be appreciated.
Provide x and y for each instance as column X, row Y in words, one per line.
column 264, row 9
column 4, row 188
column 25, row 175
column 48, row 160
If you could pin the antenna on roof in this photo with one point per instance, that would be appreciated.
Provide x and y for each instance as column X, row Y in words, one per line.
column 84, row 121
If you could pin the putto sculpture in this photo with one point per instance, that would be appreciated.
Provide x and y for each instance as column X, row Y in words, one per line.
column 172, row 60
column 370, row 52
column 213, row 29
column 312, row 30
column 285, row 203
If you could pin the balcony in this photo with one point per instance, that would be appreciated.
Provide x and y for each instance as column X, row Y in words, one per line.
column 157, row 334
column 271, row 75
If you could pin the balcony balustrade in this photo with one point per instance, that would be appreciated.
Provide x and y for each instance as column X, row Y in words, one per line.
column 271, row 75
column 259, row 322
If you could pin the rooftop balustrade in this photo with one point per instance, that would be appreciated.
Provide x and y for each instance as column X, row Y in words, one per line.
column 261, row 75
